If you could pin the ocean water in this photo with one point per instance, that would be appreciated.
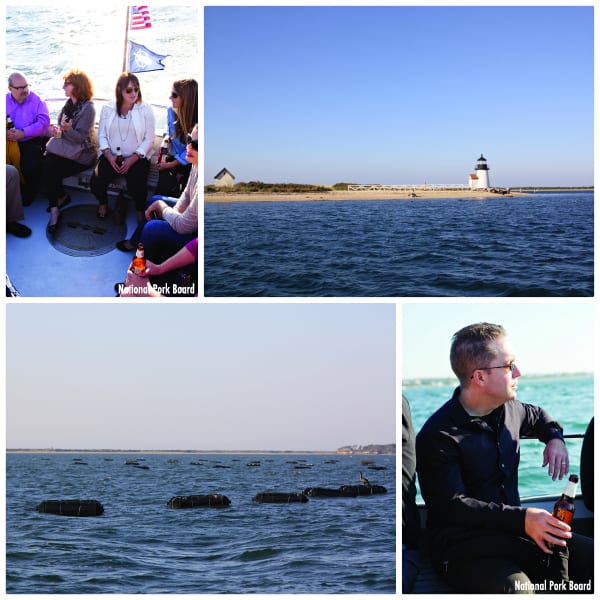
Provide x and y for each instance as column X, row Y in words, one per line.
column 540, row 245
column 45, row 41
column 569, row 399
column 327, row 545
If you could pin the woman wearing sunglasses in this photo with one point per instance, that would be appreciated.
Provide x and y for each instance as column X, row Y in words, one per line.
column 173, row 172
column 173, row 223
column 70, row 149
column 125, row 138
column 181, row 214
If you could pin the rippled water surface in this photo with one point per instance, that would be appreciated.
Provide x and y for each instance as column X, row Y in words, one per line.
column 327, row 545
column 539, row 245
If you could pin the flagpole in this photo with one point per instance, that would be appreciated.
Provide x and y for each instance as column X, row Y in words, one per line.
column 126, row 48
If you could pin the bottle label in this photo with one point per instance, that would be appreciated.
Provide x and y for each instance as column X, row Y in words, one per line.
column 571, row 489
column 564, row 515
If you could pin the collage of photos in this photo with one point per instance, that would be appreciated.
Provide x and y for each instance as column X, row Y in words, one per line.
column 221, row 417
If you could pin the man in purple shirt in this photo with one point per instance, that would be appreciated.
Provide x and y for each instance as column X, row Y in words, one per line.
column 31, row 119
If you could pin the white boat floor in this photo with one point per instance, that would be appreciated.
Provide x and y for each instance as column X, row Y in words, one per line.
column 37, row 269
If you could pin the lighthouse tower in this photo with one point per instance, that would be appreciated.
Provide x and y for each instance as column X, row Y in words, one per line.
column 481, row 181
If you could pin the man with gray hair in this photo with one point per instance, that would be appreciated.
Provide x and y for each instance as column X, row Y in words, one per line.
column 30, row 120
column 482, row 540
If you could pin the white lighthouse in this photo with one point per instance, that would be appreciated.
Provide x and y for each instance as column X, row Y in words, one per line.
column 480, row 180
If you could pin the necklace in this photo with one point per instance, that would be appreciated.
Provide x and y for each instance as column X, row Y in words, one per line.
column 128, row 119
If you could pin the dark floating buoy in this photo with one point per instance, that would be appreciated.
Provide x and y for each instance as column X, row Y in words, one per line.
column 364, row 490
column 280, row 497
column 217, row 500
column 318, row 492
column 254, row 463
column 71, row 508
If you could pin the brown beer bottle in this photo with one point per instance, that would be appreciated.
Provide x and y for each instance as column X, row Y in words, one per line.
column 138, row 264
column 119, row 160
column 564, row 509
column 164, row 150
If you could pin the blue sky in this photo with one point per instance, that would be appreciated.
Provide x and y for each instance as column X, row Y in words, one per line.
column 399, row 94
column 547, row 337
column 210, row 377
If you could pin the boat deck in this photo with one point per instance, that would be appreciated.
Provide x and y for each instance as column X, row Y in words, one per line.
column 37, row 268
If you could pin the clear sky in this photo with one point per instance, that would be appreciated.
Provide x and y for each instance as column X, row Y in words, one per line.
column 210, row 377
column 547, row 337
column 400, row 95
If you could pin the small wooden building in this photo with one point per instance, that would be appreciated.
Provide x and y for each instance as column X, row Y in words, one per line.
column 224, row 178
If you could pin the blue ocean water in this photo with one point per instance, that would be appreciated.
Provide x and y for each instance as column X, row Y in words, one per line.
column 327, row 545
column 539, row 245
column 569, row 399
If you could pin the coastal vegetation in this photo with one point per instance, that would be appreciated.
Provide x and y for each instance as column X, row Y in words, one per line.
column 368, row 449
column 248, row 187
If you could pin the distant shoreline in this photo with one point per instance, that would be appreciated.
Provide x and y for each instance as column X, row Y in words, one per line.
column 223, row 452
column 226, row 197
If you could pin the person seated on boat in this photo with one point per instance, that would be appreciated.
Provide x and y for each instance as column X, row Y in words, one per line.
column 30, row 117
column 174, row 170
column 70, row 148
column 125, row 133
column 411, row 525
column 171, row 222
column 145, row 283
column 481, row 539
column 173, row 173
column 14, row 204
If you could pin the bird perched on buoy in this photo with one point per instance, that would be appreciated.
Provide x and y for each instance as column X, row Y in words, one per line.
column 363, row 479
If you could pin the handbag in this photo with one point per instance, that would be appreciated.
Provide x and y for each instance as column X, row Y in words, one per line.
column 62, row 147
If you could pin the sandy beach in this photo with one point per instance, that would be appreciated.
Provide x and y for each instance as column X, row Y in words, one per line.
column 351, row 195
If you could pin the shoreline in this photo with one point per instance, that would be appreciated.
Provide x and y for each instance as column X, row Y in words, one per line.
column 223, row 452
column 362, row 195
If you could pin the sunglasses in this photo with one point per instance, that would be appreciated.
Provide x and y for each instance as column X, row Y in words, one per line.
column 20, row 87
column 510, row 366
column 132, row 89
column 192, row 143
column 67, row 82
column 174, row 95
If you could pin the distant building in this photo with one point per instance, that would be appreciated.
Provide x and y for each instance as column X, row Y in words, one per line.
column 224, row 178
column 480, row 179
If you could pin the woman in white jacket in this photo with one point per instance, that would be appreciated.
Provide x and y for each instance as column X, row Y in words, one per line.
column 125, row 140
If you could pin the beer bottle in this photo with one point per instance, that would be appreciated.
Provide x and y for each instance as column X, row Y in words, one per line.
column 164, row 150
column 119, row 158
column 9, row 123
column 138, row 264
column 564, row 509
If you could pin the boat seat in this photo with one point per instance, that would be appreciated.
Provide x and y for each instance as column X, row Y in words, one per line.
column 119, row 185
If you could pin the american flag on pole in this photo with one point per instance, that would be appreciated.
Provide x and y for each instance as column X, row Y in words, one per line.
column 140, row 17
